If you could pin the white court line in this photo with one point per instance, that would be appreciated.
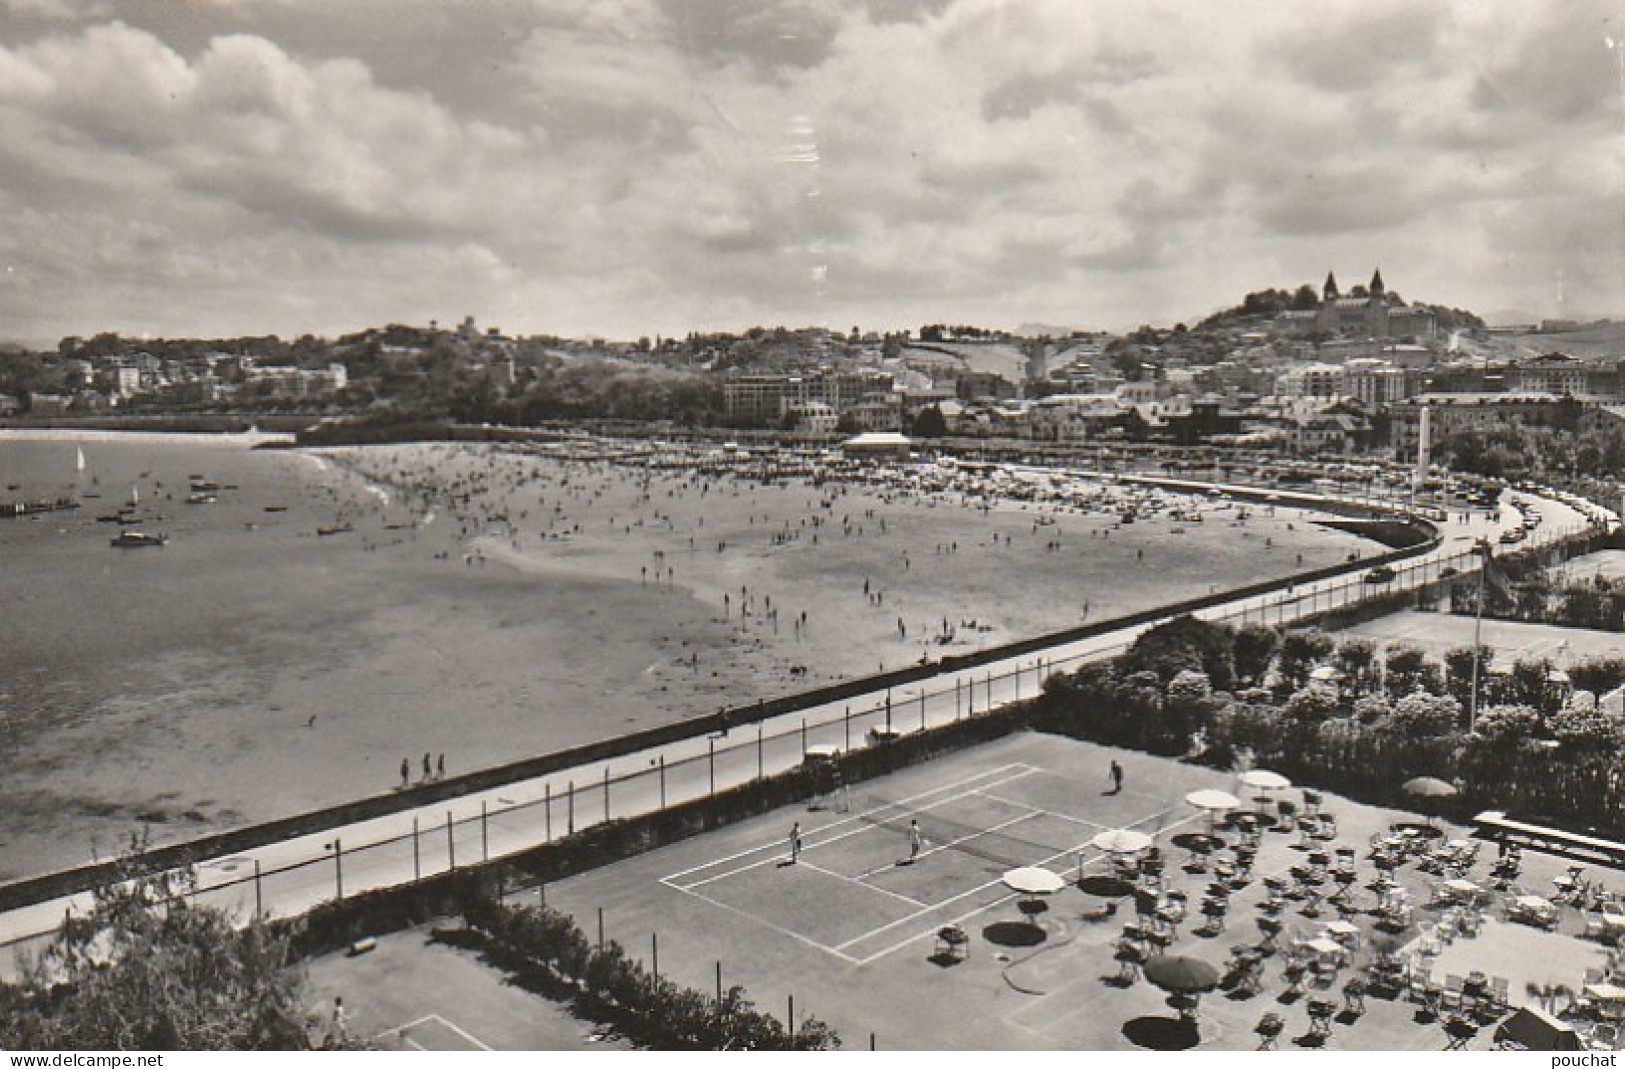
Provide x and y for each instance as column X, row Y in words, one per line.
column 965, row 894
column 916, row 903
column 849, row 820
column 754, row 919
column 1030, row 814
column 858, row 826
column 923, row 910
column 1062, row 816
column 401, row 1031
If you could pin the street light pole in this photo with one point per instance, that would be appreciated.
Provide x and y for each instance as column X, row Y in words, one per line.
column 337, row 846
column 1483, row 548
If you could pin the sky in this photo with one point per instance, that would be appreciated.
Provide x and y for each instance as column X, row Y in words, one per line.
column 640, row 167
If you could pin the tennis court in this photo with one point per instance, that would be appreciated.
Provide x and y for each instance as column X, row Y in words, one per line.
column 432, row 1033
column 855, row 892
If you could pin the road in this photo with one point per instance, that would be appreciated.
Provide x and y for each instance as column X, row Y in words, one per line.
column 290, row 877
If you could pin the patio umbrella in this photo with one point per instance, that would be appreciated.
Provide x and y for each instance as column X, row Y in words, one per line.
column 1264, row 780
column 1429, row 787
column 1122, row 841
column 1217, row 801
column 1033, row 881
column 1214, row 802
column 1181, row 975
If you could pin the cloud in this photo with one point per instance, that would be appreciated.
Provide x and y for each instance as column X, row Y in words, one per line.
column 1358, row 50
column 56, row 10
column 1562, row 70
column 766, row 34
column 631, row 166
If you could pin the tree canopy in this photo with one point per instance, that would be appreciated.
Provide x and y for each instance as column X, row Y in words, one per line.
column 148, row 969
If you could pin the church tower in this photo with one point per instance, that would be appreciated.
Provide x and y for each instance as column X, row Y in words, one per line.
column 1377, row 288
column 1329, row 291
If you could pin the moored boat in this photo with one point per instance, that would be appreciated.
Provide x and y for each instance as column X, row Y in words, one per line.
column 139, row 539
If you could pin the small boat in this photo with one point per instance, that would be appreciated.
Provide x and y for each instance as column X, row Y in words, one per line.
column 139, row 539
column 204, row 486
column 276, row 508
column 201, row 499
column 336, row 529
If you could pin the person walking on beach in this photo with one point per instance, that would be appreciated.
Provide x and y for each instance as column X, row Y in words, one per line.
column 916, row 841
column 406, row 773
column 428, row 768
column 795, row 842
column 1117, row 778
column 440, row 767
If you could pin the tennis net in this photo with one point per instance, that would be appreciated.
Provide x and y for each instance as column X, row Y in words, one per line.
column 1022, row 842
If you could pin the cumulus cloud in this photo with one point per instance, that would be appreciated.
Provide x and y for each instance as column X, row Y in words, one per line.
column 630, row 166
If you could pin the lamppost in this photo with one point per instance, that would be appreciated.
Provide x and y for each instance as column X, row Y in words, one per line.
column 337, row 847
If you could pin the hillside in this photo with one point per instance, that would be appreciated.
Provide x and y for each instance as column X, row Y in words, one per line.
column 995, row 358
column 1593, row 343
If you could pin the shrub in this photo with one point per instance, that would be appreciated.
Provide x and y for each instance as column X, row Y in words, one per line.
column 608, row 986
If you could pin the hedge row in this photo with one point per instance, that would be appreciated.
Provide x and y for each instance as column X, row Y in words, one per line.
column 546, row 951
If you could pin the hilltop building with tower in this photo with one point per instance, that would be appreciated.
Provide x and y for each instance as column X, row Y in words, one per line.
column 1368, row 313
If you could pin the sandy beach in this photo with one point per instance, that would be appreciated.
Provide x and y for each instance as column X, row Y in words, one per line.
column 489, row 602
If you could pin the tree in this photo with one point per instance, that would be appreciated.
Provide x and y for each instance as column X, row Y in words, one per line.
column 1254, row 649
column 1421, row 715
column 1506, row 725
column 1188, row 705
column 1357, row 658
column 930, row 423
column 150, row 970
column 1407, row 669
column 1373, row 709
column 1301, row 651
column 1312, row 704
column 1599, row 675
column 1587, row 732
column 1185, row 643
column 1458, row 667
column 1530, row 684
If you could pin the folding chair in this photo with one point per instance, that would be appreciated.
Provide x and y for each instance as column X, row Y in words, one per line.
column 1269, row 1029
column 1419, row 979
